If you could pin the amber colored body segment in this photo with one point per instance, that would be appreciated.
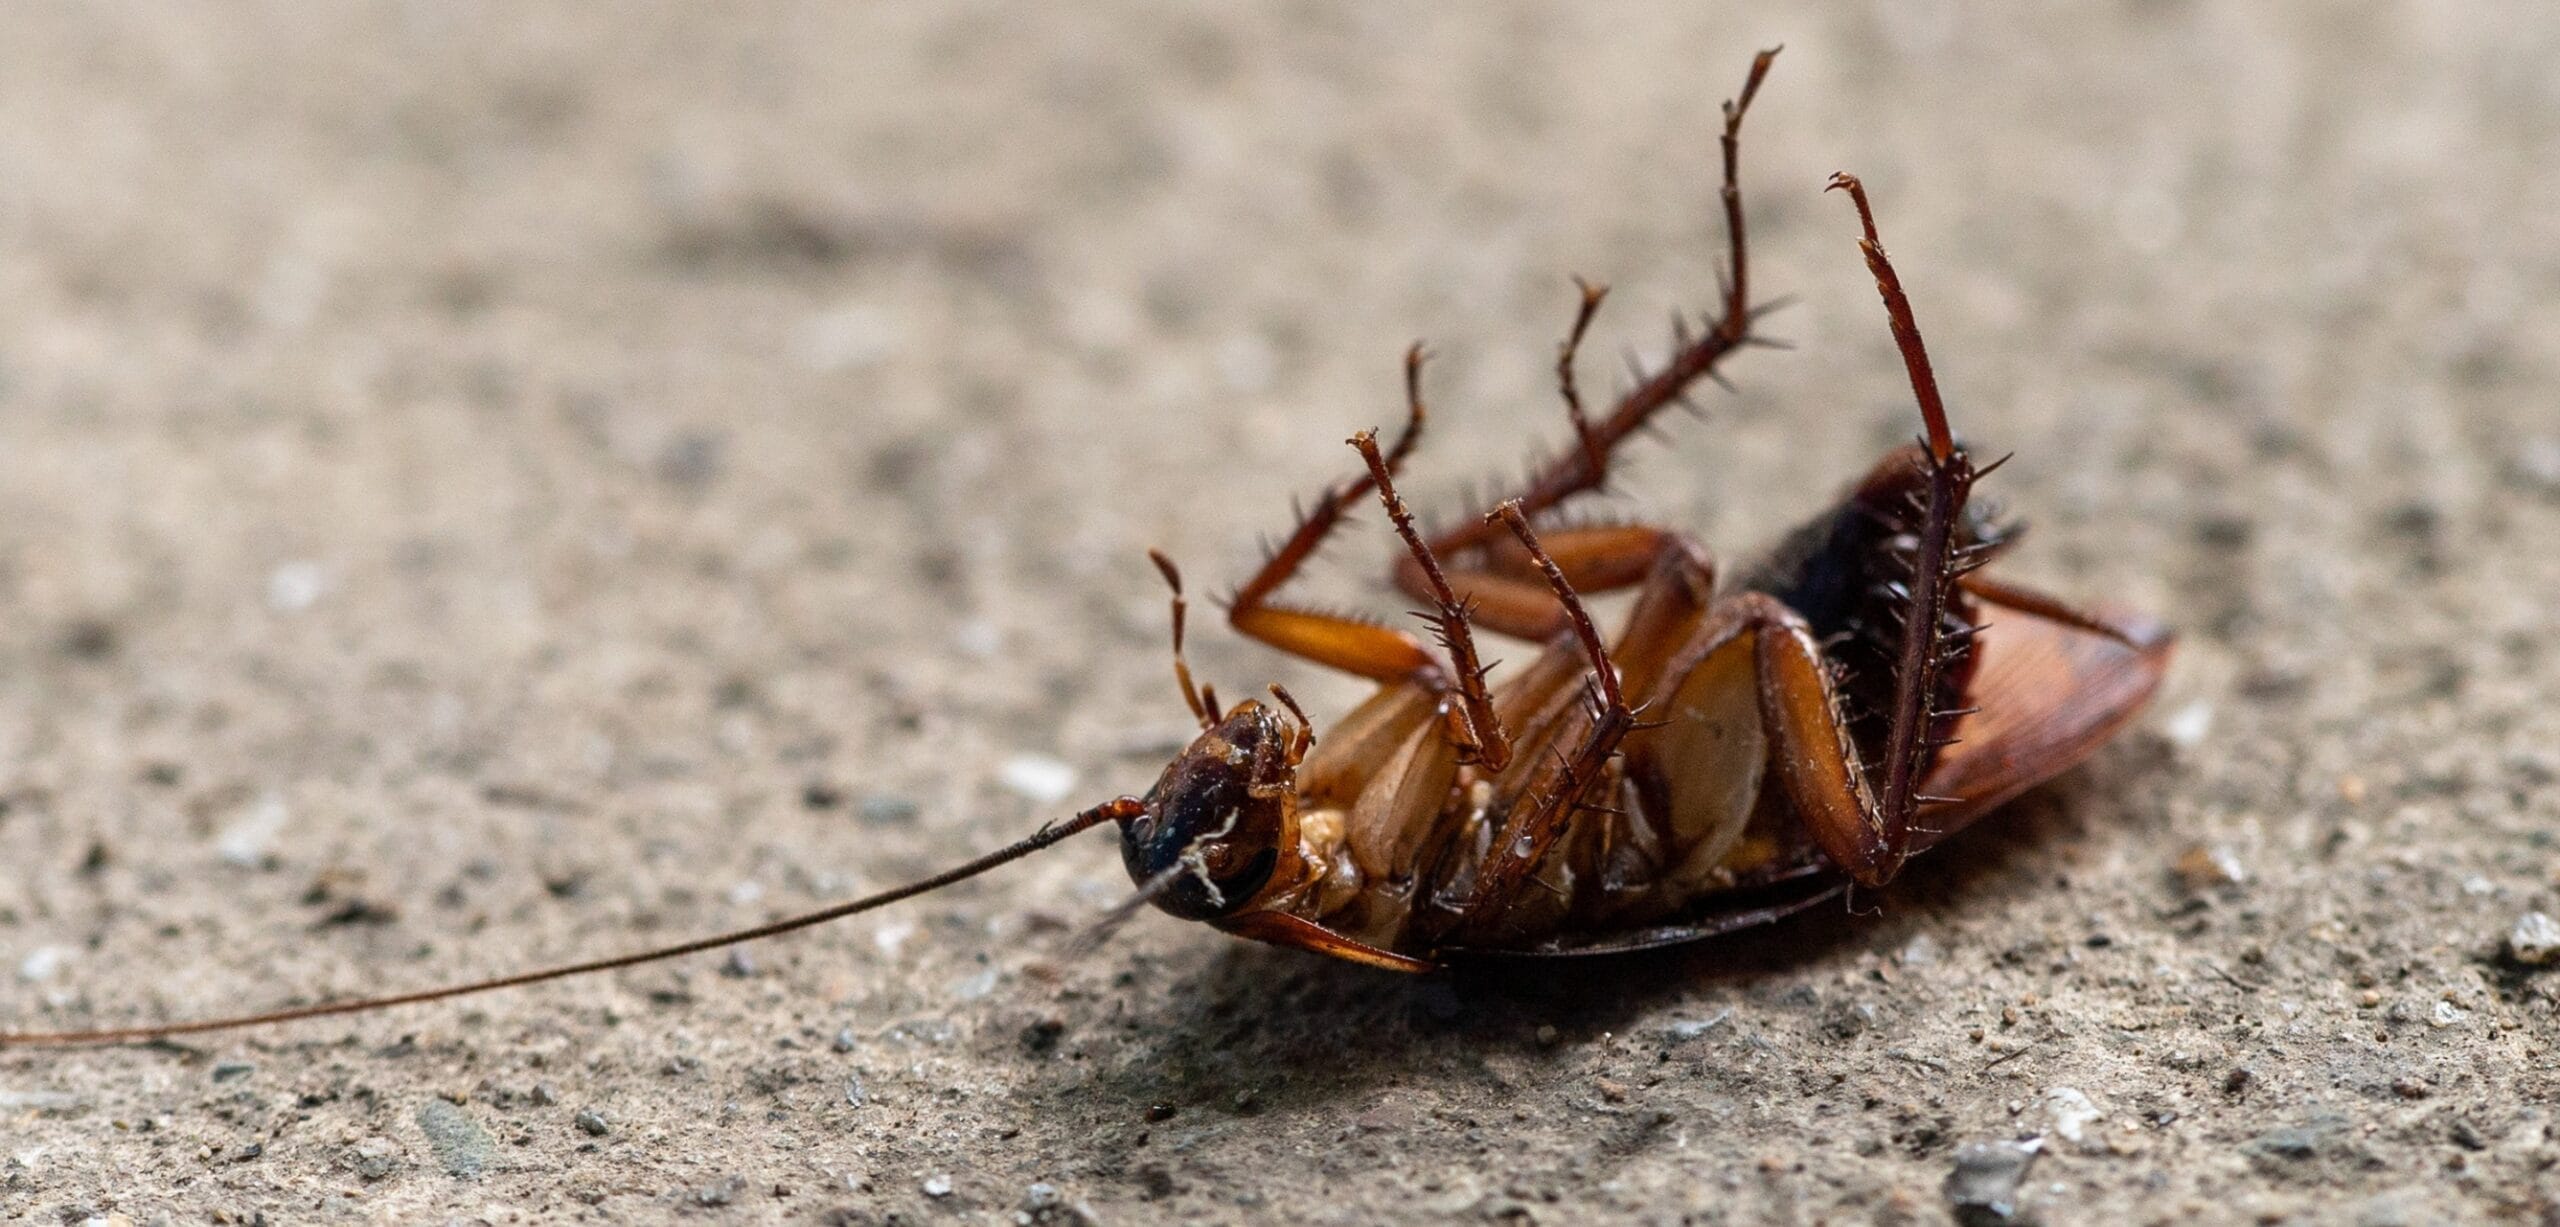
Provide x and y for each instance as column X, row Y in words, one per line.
column 1390, row 825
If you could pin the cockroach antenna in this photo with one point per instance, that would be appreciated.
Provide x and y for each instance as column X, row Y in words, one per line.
column 1119, row 809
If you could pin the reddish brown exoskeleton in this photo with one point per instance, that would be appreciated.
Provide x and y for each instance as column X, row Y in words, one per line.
column 1742, row 750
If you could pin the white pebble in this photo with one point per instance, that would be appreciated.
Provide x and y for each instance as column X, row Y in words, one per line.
column 2535, row 940
column 296, row 586
column 41, row 963
column 889, row 937
column 1038, row 777
column 2072, row 1112
column 246, row 843
column 2187, row 727
column 937, row 1186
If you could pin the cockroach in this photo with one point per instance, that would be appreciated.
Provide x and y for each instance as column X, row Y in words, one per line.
column 1745, row 749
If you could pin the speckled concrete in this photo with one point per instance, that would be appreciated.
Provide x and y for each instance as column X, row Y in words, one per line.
column 482, row 485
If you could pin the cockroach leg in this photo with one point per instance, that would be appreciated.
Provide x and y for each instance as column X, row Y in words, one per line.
column 1530, row 830
column 1472, row 722
column 1984, row 587
column 1339, row 641
column 1595, row 454
column 1205, row 711
column 1584, row 467
column 1862, row 816
column 1906, row 329
column 1505, row 591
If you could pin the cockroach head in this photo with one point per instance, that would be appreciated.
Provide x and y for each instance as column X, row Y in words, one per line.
column 1211, row 833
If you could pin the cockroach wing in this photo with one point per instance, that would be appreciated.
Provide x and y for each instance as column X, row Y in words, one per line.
column 2050, row 686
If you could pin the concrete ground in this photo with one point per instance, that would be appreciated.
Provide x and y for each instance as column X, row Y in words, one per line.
column 484, row 485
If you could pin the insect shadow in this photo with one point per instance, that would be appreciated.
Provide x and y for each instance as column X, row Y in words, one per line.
column 1257, row 1029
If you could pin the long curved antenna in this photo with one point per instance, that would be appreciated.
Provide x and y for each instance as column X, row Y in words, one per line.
column 1108, row 811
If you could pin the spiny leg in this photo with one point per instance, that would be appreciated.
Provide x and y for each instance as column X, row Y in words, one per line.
column 1585, row 467
column 1349, row 644
column 1558, row 791
column 1932, row 561
column 1472, row 723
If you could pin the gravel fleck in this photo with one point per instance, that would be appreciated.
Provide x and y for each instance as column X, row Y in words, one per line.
column 2535, row 939
column 2201, row 869
column 937, row 1186
column 41, row 963
column 374, row 1158
column 463, row 1148
column 885, row 809
column 1982, row 1188
column 2072, row 1112
column 1038, row 777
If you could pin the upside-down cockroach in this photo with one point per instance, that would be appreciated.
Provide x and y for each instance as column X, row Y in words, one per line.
column 1743, row 750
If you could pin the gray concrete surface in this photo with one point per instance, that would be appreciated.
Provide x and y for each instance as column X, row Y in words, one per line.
column 482, row 485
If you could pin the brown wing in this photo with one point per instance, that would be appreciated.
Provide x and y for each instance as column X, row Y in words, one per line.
column 2051, row 684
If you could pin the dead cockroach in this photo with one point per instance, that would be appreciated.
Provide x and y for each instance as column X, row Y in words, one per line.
column 1740, row 752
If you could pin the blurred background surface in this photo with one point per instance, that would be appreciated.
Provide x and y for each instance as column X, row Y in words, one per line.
column 483, row 483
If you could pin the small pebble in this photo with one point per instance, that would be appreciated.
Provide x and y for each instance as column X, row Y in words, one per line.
column 2201, row 869
column 592, row 1123
column 2537, row 465
column 739, row 964
column 1983, row 1187
column 845, row 1041
column 374, row 1158
column 2535, row 939
column 2072, row 1112
column 854, row 1095
column 884, row 809
column 2187, row 727
column 1691, row 1028
column 248, row 842
column 296, row 586
column 463, row 1147
column 41, row 963
column 233, row 1071
column 1038, row 777
column 543, row 1096
column 937, row 1186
